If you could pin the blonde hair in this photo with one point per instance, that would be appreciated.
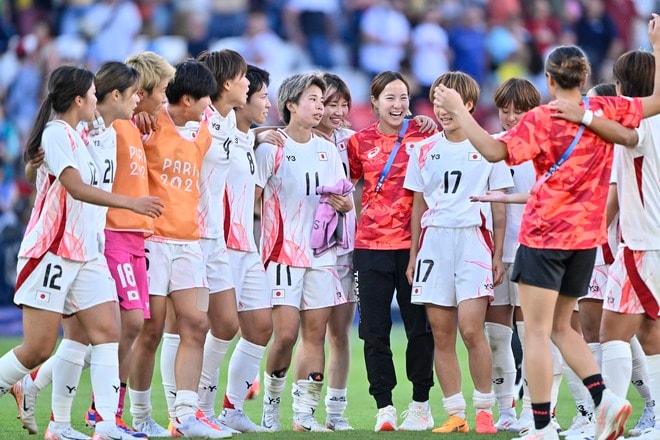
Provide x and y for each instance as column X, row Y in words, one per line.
column 153, row 69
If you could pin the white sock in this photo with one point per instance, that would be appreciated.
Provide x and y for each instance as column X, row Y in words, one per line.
column 273, row 388
column 104, row 372
column 617, row 366
column 306, row 396
column 597, row 351
column 483, row 401
column 557, row 362
column 11, row 371
column 66, row 366
column 653, row 364
column 455, row 405
column 186, row 404
column 243, row 368
column 504, row 365
column 214, row 353
column 579, row 392
column 336, row 402
column 140, row 404
column 44, row 376
column 640, row 373
column 167, row 357
column 526, row 401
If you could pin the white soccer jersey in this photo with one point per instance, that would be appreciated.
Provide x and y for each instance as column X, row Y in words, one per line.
column 448, row 173
column 340, row 138
column 213, row 175
column 239, row 194
column 60, row 223
column 289, row 176
column 102, row 146
column 524, row 177
column 637, row 172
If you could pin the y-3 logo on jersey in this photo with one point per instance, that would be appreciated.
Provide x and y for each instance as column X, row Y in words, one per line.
column 215, row 126
column 291, row 158
column 435, row 156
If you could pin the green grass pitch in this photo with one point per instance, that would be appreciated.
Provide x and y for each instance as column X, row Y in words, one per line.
column 361, row 407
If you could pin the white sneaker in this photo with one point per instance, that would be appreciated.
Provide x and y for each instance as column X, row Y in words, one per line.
column 193, row 427
column 150, row 427
column 645, row 422
column 611, row 416
column 304, row 422
column 239, row 421
column 416, row 418
column 338, row 423
column 270, row 417
column 53, row 432
column 581, row 425
column 26, row 401
column 547, row 433
column 386, row 419
column 507, row 424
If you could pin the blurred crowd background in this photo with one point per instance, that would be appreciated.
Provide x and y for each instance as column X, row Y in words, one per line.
column 491, row 40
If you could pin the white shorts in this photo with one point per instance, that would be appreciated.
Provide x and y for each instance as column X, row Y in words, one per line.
column 63, row 286
column 506, row 294
column 174, row 266
column 253, row 291
column 452, row 265
column 620, row 296
column 597, row 284
column 347, row 276
column 304, row 288
column 218, row 269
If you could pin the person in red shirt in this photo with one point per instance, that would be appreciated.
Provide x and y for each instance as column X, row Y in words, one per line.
column 563, row 222
column 380, row 259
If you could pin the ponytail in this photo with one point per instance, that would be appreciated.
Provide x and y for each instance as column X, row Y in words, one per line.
column 34, row 140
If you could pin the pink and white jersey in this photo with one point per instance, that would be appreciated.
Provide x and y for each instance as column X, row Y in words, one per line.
column 605, row 253
column 637, row 173
column 239, row 195
column 340, row 138
column 448, row 173
column 524, row 177
column 102, row 146
column 289, row 176
column 59, row 223
column 213, row 175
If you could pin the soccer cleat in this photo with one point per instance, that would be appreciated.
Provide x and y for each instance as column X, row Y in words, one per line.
column 66, row 432
column 581, row 425
column 172, row 431
column 416, row 418
column 150, row 427
column 547, row 433
column 611, row 416
column 113, row 434
column 645, row 422
column 270, row 418
column 338, row 423
column 485, row 423
column 453, row 424
column 254, row 389
column 386, row 419
column 91, row 417
column 194, row 427
column 239, row 421
column 215, row 423
column 507, row 424
column 304, row 422
column 123, row 427
column 26, row 402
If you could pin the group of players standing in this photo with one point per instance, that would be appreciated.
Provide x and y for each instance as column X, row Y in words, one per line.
column 142, row 232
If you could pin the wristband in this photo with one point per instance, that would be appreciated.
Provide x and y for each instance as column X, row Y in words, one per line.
column 587, row 118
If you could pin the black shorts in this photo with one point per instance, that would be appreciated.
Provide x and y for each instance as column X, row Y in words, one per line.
column 567, row 272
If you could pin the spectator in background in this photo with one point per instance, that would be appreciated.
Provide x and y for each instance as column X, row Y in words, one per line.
column 544, row 28
column 468, row 41
column 69, row 15
column 228, row 18
column 385, row 32
column 598, row 37
column 23, row 95
column 624, row 13
column 111, row 27
column 310, row 26
column 8, row 198
column 430, row 53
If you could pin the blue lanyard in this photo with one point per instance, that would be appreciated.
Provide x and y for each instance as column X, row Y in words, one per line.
column 390, row 160
column 566, row 154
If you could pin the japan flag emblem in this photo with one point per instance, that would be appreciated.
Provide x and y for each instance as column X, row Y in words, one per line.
column 474, row 156
column 323, row 155
column 278, row 293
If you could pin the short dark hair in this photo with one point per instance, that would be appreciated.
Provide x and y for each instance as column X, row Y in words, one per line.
column 191, row 78
column 258, row 78
column 517, row 91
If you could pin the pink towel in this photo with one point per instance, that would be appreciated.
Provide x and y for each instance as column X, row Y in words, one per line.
column 330, row 227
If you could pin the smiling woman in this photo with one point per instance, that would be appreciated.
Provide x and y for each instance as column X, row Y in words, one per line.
column 378, row 154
